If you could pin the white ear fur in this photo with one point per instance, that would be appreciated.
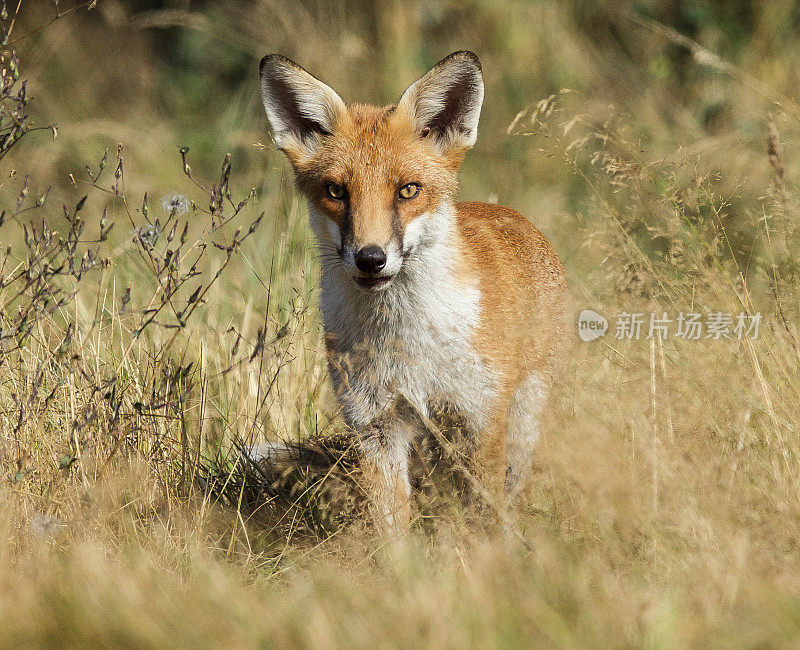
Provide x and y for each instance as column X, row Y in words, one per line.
column 300, row 108
column 446, row 103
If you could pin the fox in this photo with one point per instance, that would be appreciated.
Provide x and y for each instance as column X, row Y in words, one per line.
column 423, row 299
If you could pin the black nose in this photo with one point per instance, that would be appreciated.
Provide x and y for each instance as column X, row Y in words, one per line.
column 371, row 259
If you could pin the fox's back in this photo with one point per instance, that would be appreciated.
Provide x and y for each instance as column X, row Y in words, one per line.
column 522, row 285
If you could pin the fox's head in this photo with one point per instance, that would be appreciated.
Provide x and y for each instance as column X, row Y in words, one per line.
column 374, row 176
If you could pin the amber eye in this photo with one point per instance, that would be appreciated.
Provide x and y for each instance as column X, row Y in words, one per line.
column 409, row 191
column 335, row 191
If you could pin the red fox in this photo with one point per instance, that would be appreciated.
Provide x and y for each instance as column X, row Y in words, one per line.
column 421, row 297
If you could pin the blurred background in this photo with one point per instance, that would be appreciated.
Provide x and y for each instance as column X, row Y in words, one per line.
column 699, row 77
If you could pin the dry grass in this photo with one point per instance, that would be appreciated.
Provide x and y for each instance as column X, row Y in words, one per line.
column 664, row 500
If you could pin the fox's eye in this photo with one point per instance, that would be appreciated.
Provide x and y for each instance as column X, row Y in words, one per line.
column 335, row 191
column 409, row 191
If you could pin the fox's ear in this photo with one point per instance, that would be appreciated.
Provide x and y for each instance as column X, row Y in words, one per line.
column 445, row 104
column 300, row 108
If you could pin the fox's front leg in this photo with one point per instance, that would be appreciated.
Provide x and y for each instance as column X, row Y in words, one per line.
column 489, row 457
column 384, row 426
column 384, row 447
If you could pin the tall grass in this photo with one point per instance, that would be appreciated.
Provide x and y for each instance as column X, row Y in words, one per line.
column 158, row 327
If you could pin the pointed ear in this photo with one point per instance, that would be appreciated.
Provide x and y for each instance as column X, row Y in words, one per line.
column 300, row 108
column 445, row 104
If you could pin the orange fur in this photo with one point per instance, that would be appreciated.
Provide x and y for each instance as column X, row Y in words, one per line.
column 373, row 152
column 522, row 285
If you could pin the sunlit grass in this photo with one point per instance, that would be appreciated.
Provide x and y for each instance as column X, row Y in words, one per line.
column 662, row 507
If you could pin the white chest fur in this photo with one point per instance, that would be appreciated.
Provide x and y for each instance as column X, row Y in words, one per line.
column 415, row 338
